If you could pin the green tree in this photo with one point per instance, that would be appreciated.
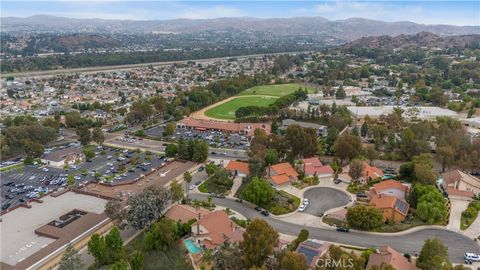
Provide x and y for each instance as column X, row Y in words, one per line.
column 371, row 153
column 347, row 147
column 119, row 265
column 431, row 207
column 271, row 157
column 356, row 168
column 210, row 169
column 340, row 94
column 146, row 207
column 114, row 244
column 364, row 218
column 84, row 135
column 71, row 260
column 364, row 129
column 89, row 152
column 70, row 180
column 169, row 129
column 161, row 235
column 294, row 261
column 137, row 261
column 98, row 136
column 302, row 236
column 434, row 256
column 98, row 249
column 171, row 150
column 258, row 191
column 446, row 156
column 187, row 177
column 200, row 152
column 115, row 211
column 258, row 242
column 176, row 191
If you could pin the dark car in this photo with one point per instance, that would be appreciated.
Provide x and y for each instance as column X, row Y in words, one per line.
column 258, row 208
column 265, row 213
column 343, row 229
column 9, row 196
column 239, row 200
column 320, row 215
column 5, row 206
column 22, row 200
column 361, row 195
column 201, row 169
column 337, row 181
column 144, row 169
column 9, row 184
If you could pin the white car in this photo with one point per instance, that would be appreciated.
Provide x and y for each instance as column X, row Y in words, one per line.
column 192, row 187
column 302, row 208
column 31, row 177
column 45, row 169
column 471, row 257
column 305, row 201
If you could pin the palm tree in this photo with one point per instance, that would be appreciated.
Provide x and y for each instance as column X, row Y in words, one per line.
column 187, row 177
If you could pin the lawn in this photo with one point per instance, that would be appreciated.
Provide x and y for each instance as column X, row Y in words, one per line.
column 283, row 203
column 277, row 90
column 227, row 109
column 175, row 257
column 469, row 215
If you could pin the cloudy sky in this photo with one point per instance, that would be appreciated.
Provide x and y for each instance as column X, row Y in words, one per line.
column 427, row 12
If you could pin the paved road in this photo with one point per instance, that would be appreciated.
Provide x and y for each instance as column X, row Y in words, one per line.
column 322, row 199
column 407, row 243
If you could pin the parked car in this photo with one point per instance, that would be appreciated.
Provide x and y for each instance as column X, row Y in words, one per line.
column 192, row 187
column 258, row 208
column 239, row 200
column 471, row 257
column 265, row 213
column 337, row 181
column 6, row 206
column 301, row 208
column 343, row 229
column 305, row 201
column 45, row 169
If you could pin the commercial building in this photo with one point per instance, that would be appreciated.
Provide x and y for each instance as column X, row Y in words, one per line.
column 321, row 130
column 60, row 158
column 240, row 128
column 420, row 112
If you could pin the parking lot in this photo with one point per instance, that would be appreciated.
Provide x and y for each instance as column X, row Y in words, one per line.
column 215, row 139
column 109, row 165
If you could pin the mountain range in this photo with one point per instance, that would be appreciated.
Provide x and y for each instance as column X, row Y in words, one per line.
column 346, row 30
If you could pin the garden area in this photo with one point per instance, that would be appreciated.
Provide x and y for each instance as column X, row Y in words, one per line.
column 219, row 182
column 470, row 214
column 306, row 182
column 355, row 188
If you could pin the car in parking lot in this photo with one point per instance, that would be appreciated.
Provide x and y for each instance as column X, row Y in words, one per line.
column 31, row 177
column 45, row 169
column 471, row 257
column 6, row 206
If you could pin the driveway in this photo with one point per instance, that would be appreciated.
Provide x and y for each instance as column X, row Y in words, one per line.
column 322, row 199
column 456, row 209
column 405, row 243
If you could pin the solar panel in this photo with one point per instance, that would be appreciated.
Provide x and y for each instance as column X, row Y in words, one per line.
column 307, row 252
column 401, row 206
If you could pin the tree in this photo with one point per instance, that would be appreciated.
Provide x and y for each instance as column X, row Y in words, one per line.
column 258, row 242
column 340, row 94
column 137, row 261
column 371, row 153
column 210, row 169
column 446, row 156
column 200, row 151
column 336, row 254
column 228, row 257
column 98, row 136
column 84, row 135
column 119, row 265
column 364, row 129
column 147, row 207
column 294, row 261
column 71, row 260
column 258, row 191
column 171, row 150
column 114, row 244
column 300, row 141
column 302, row 236
column 169, row 129
column 271, row 157
column 98, row 249
column 364, row 218
column 434, row 256
column 70, row 180
column 89, row 152
column 176, row 191
column 115, row 211
column 356, row 168
column 347, row 147
column 187, row 177
column 32, row 148
column 431, row 207
column 161, row 235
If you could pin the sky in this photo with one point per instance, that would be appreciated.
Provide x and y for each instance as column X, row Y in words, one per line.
column 425, row 12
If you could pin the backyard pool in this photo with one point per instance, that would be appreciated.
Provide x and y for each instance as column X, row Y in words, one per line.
column 192, row 248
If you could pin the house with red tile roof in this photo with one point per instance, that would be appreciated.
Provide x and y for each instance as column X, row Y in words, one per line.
column 185, row 213
column 389, row 188
column 238, row 168
column 389, row 256
column 369, row 173
column 314, row 167
column 392, row 208
column 460, row 184
column 282, row 174
column 215, row 228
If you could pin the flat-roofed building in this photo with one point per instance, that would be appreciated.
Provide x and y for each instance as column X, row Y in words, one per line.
column 36, row 237
column 247, row 129
column 320, row 129
column 419, row 112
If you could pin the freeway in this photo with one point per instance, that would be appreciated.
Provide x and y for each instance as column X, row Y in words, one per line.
column 411, row 243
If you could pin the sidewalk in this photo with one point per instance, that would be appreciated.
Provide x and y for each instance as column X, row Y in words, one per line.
column 237, row 182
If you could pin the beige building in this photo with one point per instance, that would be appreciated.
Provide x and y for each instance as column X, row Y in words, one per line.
column 458, row 183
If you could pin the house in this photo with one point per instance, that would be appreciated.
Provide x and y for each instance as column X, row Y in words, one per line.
column 216, row 228
column 185, row 213
column 369, row 173
column 282, row 174
column 313, row 251
column 458, row 183
column 238, row 168
column 60, row 158
column 389, row 188
column 392, row 208
column 389, row 256
column 320, row 129
column 314, row 167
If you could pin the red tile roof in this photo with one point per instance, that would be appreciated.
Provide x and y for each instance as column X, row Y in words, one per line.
column 313, row 166
column 371, row 171
column 390, row 256
column 280, row 179
column 185, row 213
column 238, row 166
column 219, row 229
column 284, row 168
column 245, row 128
column 390, row 184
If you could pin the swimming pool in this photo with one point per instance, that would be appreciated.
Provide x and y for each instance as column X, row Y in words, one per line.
column 192, row 248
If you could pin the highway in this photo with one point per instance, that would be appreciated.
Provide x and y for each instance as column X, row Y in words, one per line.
column 411, row 243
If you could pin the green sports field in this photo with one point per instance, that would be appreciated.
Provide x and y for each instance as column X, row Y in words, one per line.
column 277, row 90
column 227, row 109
